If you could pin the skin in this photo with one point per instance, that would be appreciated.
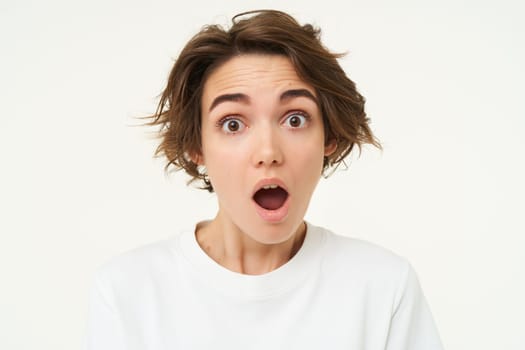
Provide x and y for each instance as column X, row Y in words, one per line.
column 254, row 129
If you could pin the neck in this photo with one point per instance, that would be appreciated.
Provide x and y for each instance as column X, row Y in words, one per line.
column 237, row 251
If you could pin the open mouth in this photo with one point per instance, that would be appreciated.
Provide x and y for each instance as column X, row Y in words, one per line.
column 271, row 197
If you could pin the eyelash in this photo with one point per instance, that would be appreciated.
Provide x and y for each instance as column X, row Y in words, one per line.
column 223, row 121
column 304, row 115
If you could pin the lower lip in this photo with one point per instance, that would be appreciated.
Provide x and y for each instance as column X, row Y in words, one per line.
column 274, row 216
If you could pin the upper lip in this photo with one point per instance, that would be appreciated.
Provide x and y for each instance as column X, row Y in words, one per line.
column 269, row 181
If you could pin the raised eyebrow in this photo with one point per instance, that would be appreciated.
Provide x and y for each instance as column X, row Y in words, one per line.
column 289, row 94
column 238, row 97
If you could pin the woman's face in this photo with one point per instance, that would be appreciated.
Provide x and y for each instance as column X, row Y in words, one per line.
column 262, row 145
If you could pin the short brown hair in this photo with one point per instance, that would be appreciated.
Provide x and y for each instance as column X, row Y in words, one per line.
column 267, row 32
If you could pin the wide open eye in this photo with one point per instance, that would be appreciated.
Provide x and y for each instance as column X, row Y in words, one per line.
column 296, row 120
column 231, row 125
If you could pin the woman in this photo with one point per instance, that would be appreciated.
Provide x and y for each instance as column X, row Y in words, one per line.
column 257, row 113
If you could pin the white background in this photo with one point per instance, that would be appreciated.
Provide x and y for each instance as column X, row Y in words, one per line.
column 444, row 82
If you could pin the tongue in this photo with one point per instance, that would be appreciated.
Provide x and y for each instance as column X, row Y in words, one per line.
column 270, row 199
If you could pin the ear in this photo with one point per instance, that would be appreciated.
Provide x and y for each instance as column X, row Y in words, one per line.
column 197, row 158
column 330, row 147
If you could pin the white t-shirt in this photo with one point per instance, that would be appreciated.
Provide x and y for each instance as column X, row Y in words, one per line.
column 335, row 293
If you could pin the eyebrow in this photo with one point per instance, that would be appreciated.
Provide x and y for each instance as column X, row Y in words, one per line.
column 245, row 99
column 289, row 94
column 230, row 97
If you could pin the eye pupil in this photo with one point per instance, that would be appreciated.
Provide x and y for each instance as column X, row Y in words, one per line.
column 233, row 125
column 295, row 121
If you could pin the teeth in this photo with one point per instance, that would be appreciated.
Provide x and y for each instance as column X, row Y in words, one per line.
column 267, row 187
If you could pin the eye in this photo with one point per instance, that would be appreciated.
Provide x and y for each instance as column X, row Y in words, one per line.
column 231, row 125
column 296, row 120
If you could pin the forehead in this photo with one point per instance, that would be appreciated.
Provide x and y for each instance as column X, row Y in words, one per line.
column 252, row 73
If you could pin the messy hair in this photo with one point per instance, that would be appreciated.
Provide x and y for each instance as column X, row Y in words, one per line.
column 257, row 32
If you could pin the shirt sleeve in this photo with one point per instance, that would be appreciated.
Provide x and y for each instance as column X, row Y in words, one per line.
column 412, row 326
column 104, row 326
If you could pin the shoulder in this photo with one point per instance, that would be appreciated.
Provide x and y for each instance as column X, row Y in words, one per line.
column 142, row 264
column 359, row 251
column 346, row 257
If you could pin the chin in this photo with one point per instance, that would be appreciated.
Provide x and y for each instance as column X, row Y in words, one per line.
column 274, row 233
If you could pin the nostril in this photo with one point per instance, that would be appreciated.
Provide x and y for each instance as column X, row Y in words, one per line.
column 274, row 161
column 267, row 153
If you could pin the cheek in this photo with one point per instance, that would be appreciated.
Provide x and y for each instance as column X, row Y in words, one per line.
column 224, row 166
column 309, row 161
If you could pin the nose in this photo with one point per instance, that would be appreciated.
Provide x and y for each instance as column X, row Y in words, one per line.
column 267, row 149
